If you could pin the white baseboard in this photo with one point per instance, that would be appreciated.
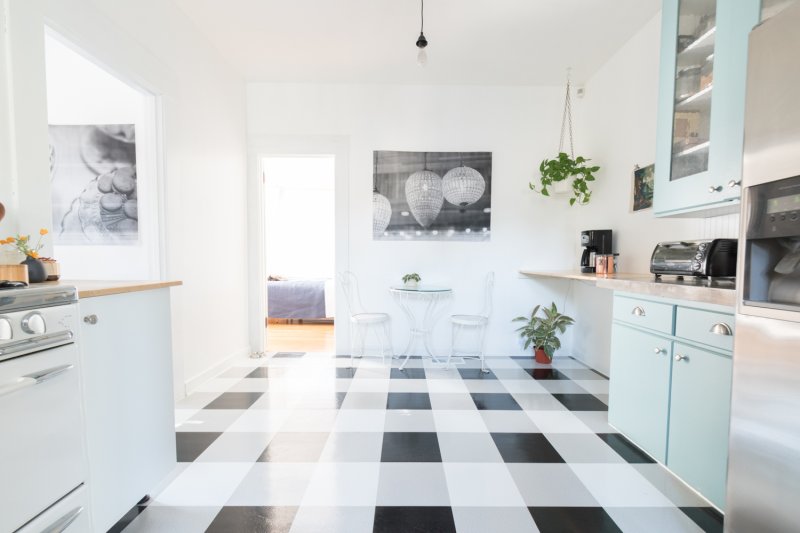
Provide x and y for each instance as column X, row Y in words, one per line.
column 192, row 384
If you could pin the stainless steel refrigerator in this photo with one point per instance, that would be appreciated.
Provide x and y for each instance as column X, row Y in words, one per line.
column 763, row 492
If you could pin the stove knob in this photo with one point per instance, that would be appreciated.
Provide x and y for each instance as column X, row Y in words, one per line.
column 6, row 333
column 33, row 323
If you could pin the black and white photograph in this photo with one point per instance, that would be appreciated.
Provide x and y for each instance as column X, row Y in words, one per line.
column 94, row 184
column 431, row 196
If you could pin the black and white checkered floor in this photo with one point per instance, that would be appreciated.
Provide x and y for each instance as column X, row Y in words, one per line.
column 302, row 443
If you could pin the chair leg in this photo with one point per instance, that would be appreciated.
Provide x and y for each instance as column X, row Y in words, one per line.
column 481, row 348
column 353, row 343
column 379, row 334
column 452, row 346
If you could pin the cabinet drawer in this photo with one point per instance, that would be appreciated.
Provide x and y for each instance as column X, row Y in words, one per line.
column 707, row 327
column 644, row 313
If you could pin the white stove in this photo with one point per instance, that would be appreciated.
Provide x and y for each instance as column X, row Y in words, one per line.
column 42, row 459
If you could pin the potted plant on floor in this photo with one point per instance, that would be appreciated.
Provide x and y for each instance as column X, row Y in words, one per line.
column 542, row 332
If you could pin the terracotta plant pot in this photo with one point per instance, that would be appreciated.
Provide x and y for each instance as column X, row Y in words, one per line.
column 541, row 357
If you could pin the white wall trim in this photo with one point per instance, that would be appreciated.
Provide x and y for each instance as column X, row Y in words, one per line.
column 258, row 148
column 192, row 384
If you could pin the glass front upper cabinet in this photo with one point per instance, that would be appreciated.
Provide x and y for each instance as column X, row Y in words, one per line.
column 694, row 84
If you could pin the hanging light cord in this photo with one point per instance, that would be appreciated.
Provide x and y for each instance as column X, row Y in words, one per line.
column 422, row 16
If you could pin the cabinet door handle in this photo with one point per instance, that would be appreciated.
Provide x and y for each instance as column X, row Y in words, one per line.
column 715, row 188
column 721, row 328
column 90, row 319
column 658, row 351
column 679, row 357
column 734, row 183
column 638, row 311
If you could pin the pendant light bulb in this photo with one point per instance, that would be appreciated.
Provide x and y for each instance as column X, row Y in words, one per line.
column 422, row 42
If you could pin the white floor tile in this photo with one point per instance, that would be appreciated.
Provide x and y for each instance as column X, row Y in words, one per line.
column 413, row 420
column 459, row 421
column 481, row 485
column 303, row 420
column 346, row 484
column 206, row 484
column 260, row 421
column 269, row 484
column 550, row 485
column 558, row 422
column 619, row 486
column 412, row 484
column 360, row 420
column 485, row 519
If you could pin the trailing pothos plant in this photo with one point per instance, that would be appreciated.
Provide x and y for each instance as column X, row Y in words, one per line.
column 563, row 168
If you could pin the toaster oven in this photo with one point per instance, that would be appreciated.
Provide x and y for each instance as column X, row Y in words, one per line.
column 710, row 258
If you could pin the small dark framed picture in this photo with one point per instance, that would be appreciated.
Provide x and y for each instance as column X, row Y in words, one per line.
column 643, row 187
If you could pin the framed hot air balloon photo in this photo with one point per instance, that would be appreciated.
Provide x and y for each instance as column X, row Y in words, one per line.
column 431, row 196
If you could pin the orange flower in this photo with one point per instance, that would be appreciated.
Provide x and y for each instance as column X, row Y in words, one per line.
column 9, row 240
column 33, row 254
column 24, row 238
column 43, row 231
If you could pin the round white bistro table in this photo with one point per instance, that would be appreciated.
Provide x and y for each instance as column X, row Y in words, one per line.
column 431, row 298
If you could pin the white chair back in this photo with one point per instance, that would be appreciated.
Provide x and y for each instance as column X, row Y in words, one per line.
column 349, row 284
column 487, row 296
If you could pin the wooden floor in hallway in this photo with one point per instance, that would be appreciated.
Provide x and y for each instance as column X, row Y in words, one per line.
column 300, row 338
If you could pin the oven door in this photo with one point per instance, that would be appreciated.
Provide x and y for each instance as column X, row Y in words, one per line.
column 41, row 448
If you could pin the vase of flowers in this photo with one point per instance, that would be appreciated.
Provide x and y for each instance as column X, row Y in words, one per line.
column 22, row 243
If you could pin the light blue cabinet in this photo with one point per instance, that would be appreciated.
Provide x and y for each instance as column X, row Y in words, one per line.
column 699, row 420
column 639, row 388
column 670, row 385
column 701, row 105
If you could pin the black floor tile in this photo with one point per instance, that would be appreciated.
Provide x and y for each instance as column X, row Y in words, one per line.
column 583, row 373
column 414, row 520
column 288, row 354
column 408, row 400
column 416, row 447
column 580, row 402
column 253, row 520
column 268, row 372
column 475, row 373
column 495, row 401
column 407, row 373
column 526, row 448
column 709, row 519
column 573, row 520
column 625, row 448
column 294, row 448
column 190, row 445
column 234, row 400
column 546, row 373
column 345, row 373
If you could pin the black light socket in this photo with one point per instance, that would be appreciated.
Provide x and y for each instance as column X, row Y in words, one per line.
column 422, row 42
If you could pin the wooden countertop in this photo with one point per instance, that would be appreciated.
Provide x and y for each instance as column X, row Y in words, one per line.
column 717, row 292
column 94, row 288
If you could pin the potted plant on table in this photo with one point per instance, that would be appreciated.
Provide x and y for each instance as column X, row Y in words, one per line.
column 36, row 269
column 541, row 331
column 411, row 280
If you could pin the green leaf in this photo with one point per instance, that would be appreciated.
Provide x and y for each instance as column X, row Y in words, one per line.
column 572, row 201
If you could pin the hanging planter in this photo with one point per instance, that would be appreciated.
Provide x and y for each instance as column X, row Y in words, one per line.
column 567, row 173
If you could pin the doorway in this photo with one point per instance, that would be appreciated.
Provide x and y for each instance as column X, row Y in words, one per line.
column 299, row 220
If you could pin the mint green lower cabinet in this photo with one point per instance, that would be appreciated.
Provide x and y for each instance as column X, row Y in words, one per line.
column 639, row 388
column 699, row 419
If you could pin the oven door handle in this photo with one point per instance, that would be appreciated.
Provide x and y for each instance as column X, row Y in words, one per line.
column 37, row 343
column 35, row 378
column 50, row 373
column 64, row 522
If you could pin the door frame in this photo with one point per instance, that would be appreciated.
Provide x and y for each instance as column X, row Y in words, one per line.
column 288, row 145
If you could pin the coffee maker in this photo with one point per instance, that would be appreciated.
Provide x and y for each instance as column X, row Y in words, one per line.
column 594, row 242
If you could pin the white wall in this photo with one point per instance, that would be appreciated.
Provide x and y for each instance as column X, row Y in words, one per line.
column 518, row 124
column 151, row 44
column 300, row 216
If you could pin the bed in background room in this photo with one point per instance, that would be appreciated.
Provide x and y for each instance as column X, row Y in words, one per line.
column 300, row 299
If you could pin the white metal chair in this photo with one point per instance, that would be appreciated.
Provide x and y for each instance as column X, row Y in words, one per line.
column 361, row 321
column 475, row 323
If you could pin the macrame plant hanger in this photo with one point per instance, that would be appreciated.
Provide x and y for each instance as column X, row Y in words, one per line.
column 566, row 121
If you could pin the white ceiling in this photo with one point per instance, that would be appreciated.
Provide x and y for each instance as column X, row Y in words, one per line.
column 491, row 42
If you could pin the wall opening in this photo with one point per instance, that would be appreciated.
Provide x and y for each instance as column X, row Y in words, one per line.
column 103, row 169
